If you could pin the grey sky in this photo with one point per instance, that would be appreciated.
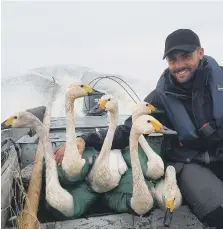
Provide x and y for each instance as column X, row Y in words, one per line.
column 126, row 38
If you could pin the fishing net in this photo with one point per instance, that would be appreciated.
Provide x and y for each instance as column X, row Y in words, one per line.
column 13, row 191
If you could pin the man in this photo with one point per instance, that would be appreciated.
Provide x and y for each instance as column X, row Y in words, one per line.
column 190, row 92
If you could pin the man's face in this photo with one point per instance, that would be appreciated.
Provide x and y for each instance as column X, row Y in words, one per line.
column 183, row 65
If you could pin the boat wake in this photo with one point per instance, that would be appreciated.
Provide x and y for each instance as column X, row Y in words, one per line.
column 32, row 89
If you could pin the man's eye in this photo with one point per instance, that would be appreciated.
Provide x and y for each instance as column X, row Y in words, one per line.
column 185, row 56
column 170, row 60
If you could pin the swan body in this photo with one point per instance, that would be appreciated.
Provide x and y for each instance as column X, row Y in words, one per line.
column 167, row 192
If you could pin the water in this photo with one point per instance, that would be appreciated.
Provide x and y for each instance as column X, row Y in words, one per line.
column 32, row 89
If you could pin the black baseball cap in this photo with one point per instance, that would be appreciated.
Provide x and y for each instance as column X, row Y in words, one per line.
column 183, row 40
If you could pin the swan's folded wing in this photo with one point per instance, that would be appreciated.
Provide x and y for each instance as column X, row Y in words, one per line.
column 155, row 144
column 83, row 198
column 88, row 154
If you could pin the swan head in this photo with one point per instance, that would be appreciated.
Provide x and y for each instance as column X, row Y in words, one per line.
column 108, row 103
column 78, row 90
column 170, row 188
column 143, row 108
column 22, row 119
column 146, row 124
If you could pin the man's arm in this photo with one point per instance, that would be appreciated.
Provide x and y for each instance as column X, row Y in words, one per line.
column 96, row 138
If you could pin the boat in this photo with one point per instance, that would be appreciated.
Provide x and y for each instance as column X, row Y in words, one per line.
column 17, row 155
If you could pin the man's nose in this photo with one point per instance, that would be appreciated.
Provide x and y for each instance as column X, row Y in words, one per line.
column 179, row 64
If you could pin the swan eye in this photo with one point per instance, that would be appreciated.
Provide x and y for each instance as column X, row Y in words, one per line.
column 147, row 104
column 15, row 117
column 148, row 121
column 109, row 99
column 82, row 85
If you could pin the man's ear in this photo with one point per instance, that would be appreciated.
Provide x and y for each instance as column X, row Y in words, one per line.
column 201, row 53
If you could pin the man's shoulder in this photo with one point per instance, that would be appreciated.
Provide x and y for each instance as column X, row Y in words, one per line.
column 154, row 98
column 213, row 61
column 150, row 97
column 163, row 76
column 155, row 93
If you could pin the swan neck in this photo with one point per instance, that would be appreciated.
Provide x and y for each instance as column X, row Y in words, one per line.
column 146, row 147
column 106, row 147
column 70, row 124
column 51, row 169
column 137, row 173
column 170, row 178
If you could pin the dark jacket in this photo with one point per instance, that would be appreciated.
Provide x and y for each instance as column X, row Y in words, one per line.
column 193, row 114
column 178, row 148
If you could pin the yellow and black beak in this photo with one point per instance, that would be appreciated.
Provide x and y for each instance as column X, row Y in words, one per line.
column 90, row 90
column 168, row 131
column 157, row 125
column 7, row 124
column 102, row 104
column 162, row 129
column 169, row 212
column 170, row 205
column 154, row 110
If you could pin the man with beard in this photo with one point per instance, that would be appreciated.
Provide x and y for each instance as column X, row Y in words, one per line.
column 190, row 91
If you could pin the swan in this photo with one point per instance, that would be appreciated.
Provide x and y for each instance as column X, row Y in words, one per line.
column 142, row 199
column 167, row 192
column 74, row 166
column 134, row 192
column 109, row 165
column 155, row 165
column 56, row 196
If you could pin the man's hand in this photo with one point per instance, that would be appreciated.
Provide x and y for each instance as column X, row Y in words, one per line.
column 59, row 153
column 80, row 144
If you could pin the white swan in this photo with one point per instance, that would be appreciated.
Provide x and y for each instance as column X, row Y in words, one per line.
column 73, row 162
column 142, row 200
column 155, row 165
column 133, row 191
column 167, row 192
column 110, row 165
column 56, row 196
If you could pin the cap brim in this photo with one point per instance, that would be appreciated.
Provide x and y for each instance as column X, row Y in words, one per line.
column 185, row 48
